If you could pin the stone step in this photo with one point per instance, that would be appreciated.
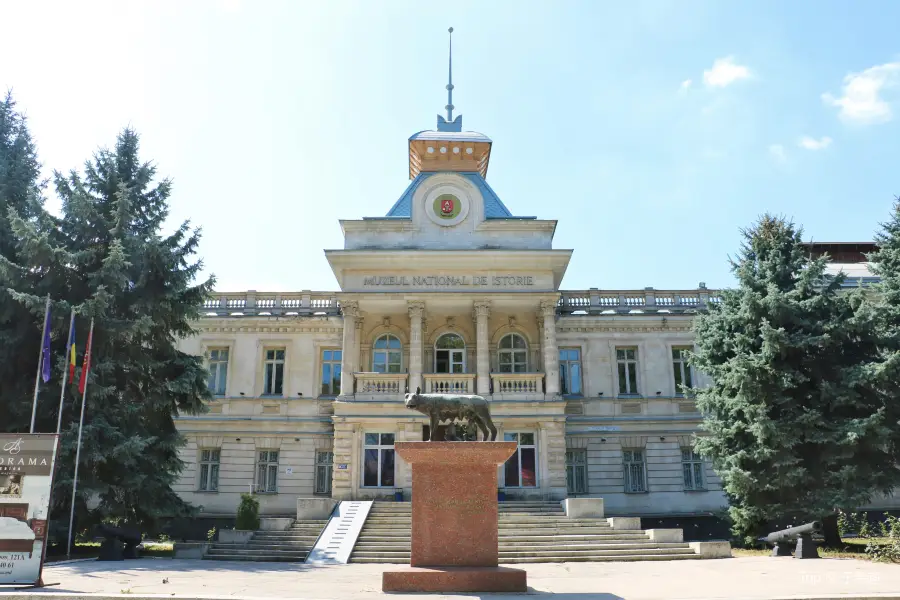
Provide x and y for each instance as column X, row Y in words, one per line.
column 301, row 554
column 566, row 552
column 554, row 548
column 286, row 539
column 599, row 558
column 246, row 558
column 258, row 545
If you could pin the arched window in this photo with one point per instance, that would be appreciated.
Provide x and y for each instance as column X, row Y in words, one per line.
column 513, row 354
column 450, row 354
column 387, row 355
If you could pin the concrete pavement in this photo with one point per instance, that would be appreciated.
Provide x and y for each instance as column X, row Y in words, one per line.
column 752, row 578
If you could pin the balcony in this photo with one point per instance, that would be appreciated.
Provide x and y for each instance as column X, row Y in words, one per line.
column 518, row 386
column 449, row 383
column 380, row 386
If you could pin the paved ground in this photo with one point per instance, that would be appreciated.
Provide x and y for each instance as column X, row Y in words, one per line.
column 736, row 578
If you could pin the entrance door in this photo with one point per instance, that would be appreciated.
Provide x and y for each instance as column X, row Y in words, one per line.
column 450, row 354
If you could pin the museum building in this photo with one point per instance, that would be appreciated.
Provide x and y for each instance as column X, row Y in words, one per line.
column 450, row 292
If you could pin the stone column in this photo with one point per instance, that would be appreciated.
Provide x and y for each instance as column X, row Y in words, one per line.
column 551, row 352
column 482, row 347
column 416, row 344
column 350, row 347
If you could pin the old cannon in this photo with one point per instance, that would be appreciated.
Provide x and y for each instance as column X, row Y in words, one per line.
column 120, row 542
column 802, row 534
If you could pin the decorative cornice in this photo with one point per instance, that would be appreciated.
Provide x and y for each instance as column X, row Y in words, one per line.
column 261, row 328
column 606, row 329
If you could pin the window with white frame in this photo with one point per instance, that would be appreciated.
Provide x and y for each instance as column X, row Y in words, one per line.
column 681, row 369
column 324, row 465
column 274, row 372
column 450, row 354
column 378, row 460
column 331, row 372
column 267, row 472
column 570, row 371
column 576, row 471
column 635, row 479
column 218, row 370
column 692, row 466
column 520, row 469
column 387, row 356
column 626, row 358
column 209, row 470
column 513, row 354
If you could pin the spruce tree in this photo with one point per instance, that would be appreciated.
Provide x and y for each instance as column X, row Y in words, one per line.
column 21, row 203
column 139, row 286
column 885, row 263
column 795, row 421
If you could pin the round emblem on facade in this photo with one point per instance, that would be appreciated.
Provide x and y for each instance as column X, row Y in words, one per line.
column 447, row 206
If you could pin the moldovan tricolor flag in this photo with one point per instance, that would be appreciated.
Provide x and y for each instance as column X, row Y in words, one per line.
column 70, row 348
column 82, row 382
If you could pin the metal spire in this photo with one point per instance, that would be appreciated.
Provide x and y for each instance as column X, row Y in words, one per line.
column 449, row 106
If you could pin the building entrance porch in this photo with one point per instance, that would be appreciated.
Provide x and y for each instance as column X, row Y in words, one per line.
column 501, row 346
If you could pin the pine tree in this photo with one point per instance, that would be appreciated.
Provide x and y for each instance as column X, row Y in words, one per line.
column 795, row 422
column 139, row 286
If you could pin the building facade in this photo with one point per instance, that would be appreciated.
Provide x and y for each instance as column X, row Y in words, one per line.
column 449, row 292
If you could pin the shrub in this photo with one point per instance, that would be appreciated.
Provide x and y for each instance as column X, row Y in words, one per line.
column 248, row 513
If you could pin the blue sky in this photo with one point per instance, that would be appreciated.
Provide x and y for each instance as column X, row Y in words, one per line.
column 653, row 131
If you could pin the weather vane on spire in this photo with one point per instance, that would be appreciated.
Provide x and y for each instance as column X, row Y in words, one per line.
column 450, row 124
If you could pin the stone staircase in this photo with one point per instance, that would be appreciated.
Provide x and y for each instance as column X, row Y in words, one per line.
column 291, row 545
column 529, row 532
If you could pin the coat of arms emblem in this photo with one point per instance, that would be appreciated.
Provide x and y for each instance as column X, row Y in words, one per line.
column 447, row 206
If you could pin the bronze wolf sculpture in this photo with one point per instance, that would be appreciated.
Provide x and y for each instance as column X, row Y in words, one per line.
column 449, row 407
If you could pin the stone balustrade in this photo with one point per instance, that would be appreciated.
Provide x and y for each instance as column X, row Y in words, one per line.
column 648, row 300
column 252, row 303
column 374, row 386
column 449, row 383
column 518, row 385
column 593, row 301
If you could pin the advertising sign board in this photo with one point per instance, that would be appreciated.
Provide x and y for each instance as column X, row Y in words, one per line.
column 26, row 477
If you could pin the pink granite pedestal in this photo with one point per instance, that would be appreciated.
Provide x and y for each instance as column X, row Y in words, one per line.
column 454, row 520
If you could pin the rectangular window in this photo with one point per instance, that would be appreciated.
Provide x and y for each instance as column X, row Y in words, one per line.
column 378, row 460
column 521, row 468
column 635, row 481
column 627, row 362
column 218, row 370
column 324, row 465
column 331, row 373
column 576, row 471
column 570, row 371
column 209, row 470
column 267, row 472
column 692, row 466
column 682, row 370
column 274, row 383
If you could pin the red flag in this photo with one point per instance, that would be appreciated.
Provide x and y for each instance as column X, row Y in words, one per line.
column 82, row 382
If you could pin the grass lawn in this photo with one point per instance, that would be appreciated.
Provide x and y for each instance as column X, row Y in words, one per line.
column 853, row 548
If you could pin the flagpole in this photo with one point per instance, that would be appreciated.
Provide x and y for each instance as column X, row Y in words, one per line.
column 62, row 392
column 78, row 447
column 37, row 379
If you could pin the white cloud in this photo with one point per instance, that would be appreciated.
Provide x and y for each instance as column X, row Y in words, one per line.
column 777, row 152
column 685, row 84
column 725, row 72
column 861, row 101
column 814, row 144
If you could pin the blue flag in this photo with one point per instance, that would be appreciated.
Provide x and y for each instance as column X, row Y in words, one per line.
column 45, row 353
